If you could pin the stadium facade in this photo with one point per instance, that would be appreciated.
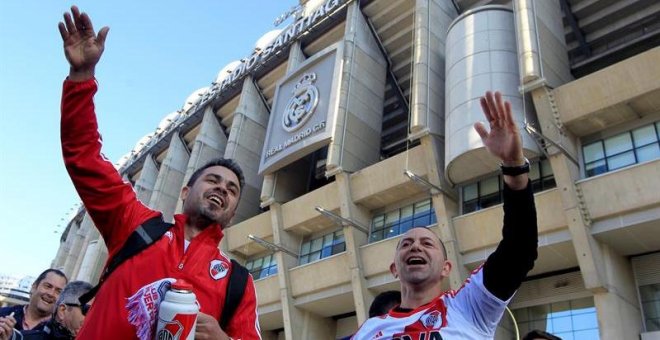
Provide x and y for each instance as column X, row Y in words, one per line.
column 354, row 123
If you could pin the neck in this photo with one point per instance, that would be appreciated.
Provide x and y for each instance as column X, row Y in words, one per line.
column 195, row 225
column 33, row 317
column 415, row 295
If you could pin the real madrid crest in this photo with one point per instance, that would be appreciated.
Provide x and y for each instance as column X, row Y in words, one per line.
column 218, row 269
column 303, row 103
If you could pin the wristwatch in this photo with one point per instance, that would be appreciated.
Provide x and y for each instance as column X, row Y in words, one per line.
column 515, row 170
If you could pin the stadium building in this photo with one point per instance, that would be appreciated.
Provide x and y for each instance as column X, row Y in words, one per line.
column 354, row 123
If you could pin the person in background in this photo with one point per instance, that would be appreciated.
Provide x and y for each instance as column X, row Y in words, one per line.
column 383, row 302
column 540, row 335
column 67, row 319
column 44, row 293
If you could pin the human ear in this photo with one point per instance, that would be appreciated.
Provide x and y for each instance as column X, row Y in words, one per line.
column 393, row 270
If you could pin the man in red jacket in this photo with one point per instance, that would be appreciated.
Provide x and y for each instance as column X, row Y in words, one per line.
column 126, row 306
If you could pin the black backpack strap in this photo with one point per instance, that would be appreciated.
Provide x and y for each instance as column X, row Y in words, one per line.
column 141, row 238
column 235, row 289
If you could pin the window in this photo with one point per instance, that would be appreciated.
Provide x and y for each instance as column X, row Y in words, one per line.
column 650, row 298
column 321, row 247
column 573, row 319
column 262, row 267
column 399, row 221
column 488, row 191
column 628, row 148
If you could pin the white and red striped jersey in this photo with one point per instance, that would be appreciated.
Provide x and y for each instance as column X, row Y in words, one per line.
column 471, row 312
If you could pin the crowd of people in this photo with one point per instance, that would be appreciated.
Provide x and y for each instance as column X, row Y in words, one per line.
column 187, row 249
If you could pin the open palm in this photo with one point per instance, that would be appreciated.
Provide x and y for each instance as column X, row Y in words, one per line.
column 82, row 47
column 503, row 140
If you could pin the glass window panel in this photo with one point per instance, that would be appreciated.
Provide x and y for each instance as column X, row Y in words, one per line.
column 549, row 183
column 339, row 237
column 470, row 192
column 392, row 217
column 422, row 221
column 596, row 168
column 405, row 226
column 267, row 260
column 593, row 152
column 327, row 240
column 424, row 205
column 644, row 135
column 546, row 168
column 490, row 185
column 392, row 231
column 470, row 206
column 650, row 292
column 534, row 171
column 406, row 211
column 433, row 217
column 263, row 273
column 305, row 248
column 490, row 200
column 272, row 270
column 338, row 248
column 585, row 321
column 647, row 153
column 258, row 262
column 376, row 235
column 620, row 161
column 652, row 325
column 327, row 251
column 314, row 256
column 304, row 259
column 617, row 144
column 562, row 324
column 316, row 245
column 651, row 310
column 379, row 221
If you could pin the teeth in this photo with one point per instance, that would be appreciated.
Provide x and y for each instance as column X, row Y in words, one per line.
column 215, row 199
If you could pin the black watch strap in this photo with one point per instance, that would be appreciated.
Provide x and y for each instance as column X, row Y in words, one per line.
column 515, row 170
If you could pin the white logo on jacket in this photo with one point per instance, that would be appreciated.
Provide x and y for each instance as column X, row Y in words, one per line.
column 218, row 269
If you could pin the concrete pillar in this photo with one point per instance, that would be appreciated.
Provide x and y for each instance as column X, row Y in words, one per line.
column 619, row 315
column 210, row 143
column 99, row 264
column 77, row 240
column 427, row 100
column 92, row 252
column 268, row 193
column 291, row 315
column 608, row 275
column 85, row 232
column 245, row 144
column 354, row 238
column 356, row 138
column 445, row 206
column 170, row 178
column 144, row 186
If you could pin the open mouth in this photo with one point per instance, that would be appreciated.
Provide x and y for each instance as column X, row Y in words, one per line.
column 415, row 260
column 216, row 199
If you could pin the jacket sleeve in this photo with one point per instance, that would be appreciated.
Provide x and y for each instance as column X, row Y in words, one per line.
column 244, row 324
column 507, row 267
column 110, row 202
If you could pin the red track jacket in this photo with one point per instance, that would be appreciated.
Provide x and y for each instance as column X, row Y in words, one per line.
column 116, row 212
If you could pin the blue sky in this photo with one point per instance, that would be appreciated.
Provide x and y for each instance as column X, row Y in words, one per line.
column 157, row 53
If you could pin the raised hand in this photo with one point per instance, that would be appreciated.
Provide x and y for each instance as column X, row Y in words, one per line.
column 82, row 47
column 503, row 140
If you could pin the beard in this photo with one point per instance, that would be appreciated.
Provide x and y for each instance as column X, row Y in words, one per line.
column 207, row 215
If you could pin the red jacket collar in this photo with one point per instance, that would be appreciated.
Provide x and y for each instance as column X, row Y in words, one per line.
column 212, row 234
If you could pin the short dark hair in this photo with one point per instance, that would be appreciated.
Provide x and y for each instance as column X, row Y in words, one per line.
column 43, row 275
column 383, row 302
column 223, row 162
column 442, row 244
column 538, row 334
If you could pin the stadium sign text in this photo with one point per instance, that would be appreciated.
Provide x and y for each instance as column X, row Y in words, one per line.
column 291, row 34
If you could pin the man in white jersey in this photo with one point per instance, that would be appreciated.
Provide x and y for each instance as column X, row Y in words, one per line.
column 420, row 262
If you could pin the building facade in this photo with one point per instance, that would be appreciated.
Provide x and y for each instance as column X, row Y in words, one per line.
column 354, row 124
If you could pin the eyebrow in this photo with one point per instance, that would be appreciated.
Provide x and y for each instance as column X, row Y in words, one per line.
column 220, row 178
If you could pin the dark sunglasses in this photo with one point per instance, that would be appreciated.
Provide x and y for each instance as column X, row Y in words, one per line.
column 83, row 308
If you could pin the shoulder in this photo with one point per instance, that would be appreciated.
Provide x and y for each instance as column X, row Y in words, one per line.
column 8, row 310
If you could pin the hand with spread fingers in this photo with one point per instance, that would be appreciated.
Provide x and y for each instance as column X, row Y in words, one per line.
column 82, row 46
column 503, row 140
